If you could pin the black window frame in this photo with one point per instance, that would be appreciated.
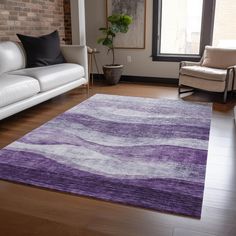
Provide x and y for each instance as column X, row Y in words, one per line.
column 208, row 15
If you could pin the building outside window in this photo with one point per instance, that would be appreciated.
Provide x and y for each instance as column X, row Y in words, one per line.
column 224, row 34
column 182, row 28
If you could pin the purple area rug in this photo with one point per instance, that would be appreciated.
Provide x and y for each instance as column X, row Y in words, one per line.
column 142, row 152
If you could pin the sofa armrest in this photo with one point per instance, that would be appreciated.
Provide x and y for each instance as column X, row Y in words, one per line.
column 76, row 54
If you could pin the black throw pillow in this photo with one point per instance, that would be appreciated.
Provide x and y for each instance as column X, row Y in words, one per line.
column 42, row 51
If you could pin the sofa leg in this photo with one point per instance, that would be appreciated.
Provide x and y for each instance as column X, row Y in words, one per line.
column 87, row 89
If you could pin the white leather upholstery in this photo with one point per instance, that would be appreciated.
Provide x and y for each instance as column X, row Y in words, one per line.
column 22, row 88
column 76, row 54
column 15, row 88
column 204, row 72
column 38, row 98
column 50, row 77
column 11, row 57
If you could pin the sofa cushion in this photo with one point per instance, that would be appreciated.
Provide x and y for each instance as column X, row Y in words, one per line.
column 14, row 88
column 12, row 57
column 204, row 72
column 42, row 51
column 220, row 58
column 50, row 77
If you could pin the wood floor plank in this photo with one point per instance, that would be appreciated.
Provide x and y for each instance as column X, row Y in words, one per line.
column 220, row 199
column 26, row 210
column 184, row 232
column 34, row 226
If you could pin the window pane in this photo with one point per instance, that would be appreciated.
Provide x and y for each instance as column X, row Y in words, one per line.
column 181, row 26
column 225, row 24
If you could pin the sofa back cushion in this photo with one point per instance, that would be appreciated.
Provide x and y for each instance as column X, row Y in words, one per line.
column 220, row 58
column 12, row 57
column 42, row 51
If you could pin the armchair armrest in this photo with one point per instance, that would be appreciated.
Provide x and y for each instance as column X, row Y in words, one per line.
column 189, row 63
column 231, row 72
column 76, row 54
column 232, row 68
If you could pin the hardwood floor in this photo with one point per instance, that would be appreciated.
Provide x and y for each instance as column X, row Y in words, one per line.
column 29, row 211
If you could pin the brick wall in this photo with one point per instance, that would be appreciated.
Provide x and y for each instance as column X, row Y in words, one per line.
column 67, row 22
column 34, row 17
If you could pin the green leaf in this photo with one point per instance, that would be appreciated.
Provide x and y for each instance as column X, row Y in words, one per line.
column 100, row 40
column 102, row 29
column 115, row 28
column 107, row 42
column 127, row 19
column 113, row 18
column 124, row 29
column 111, row 33
column 117, row 23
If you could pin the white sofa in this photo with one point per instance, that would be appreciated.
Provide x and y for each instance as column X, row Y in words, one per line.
column 21, row 88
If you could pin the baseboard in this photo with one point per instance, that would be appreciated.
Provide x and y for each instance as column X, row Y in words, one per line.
column 142, row 79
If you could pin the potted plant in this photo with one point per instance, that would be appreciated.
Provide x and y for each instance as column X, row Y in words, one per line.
column 117, row 23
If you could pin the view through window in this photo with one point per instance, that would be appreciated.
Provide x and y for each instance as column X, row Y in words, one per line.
column 224, row 34
column 181, row 26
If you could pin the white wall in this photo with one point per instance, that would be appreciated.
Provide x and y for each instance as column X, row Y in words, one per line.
column 78, row 22
column 142, row 64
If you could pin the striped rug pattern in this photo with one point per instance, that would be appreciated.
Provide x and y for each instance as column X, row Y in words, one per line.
column 142, row 152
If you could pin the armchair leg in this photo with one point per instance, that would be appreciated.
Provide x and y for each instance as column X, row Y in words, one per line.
column 226, row 86
column 179, row 90
column 186, row 91
column 225, row 95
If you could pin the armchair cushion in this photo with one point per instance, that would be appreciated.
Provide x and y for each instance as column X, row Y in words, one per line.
column 204, row 72
column 220, row 58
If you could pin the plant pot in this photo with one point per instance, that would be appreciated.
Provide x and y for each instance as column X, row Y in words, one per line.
column 112, row 73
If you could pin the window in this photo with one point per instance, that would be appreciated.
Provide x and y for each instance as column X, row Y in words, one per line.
column 224, row 34
column 181, row 28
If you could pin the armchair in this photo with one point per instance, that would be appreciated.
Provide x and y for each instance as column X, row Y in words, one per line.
column 215, row 72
